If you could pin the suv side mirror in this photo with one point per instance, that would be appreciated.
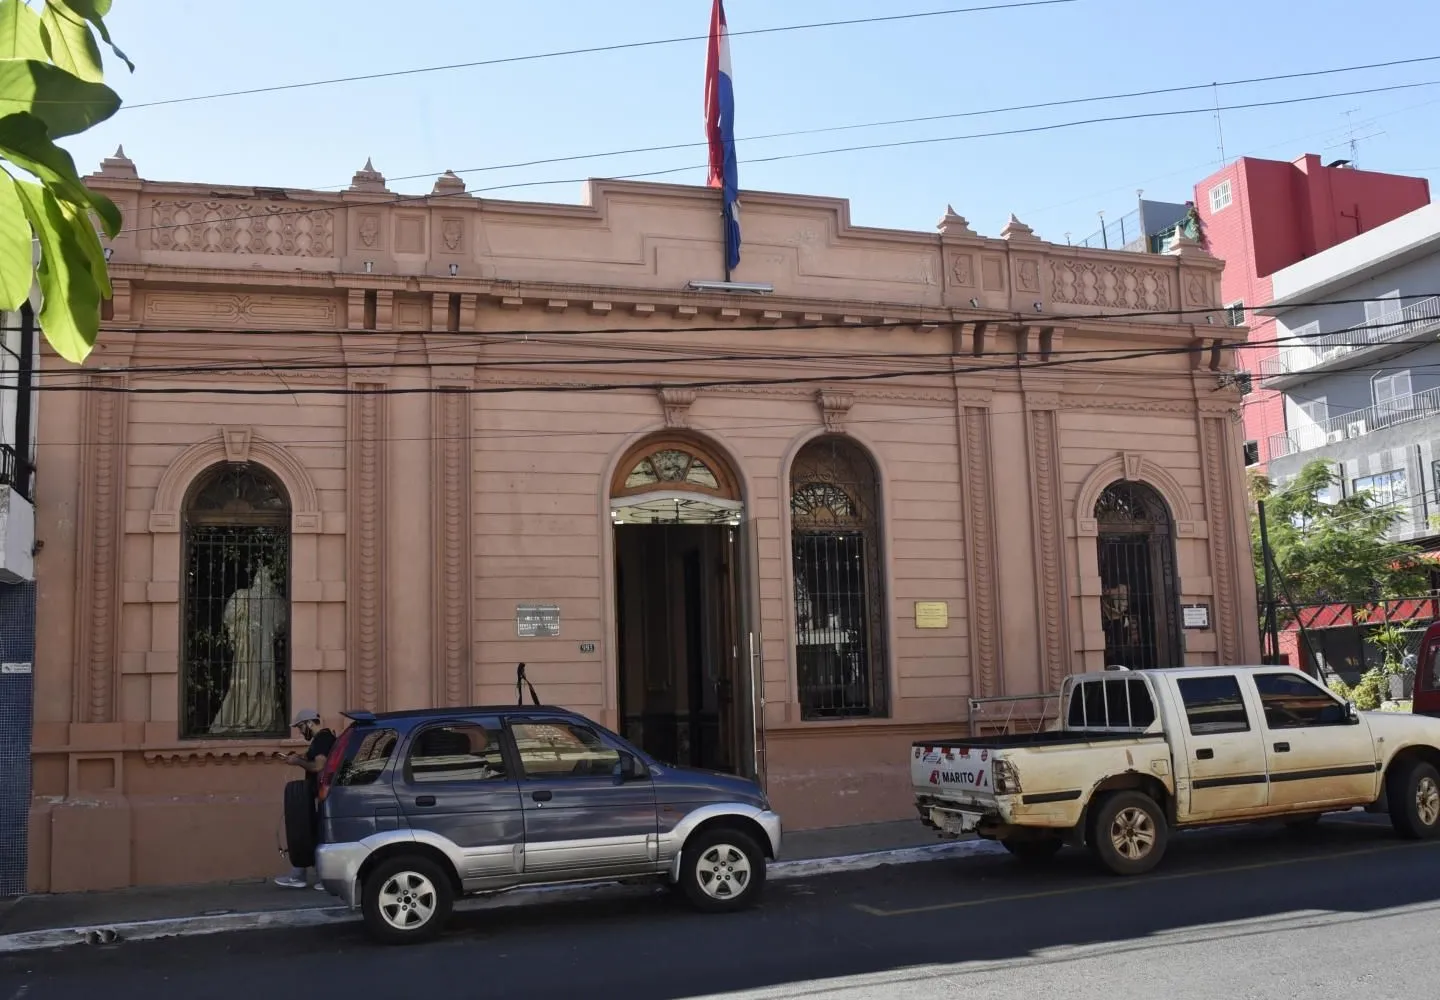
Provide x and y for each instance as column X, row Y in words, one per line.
column 628, row 768
column 1352, row 714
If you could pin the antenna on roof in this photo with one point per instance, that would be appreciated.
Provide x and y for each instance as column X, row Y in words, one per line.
column 520, row 678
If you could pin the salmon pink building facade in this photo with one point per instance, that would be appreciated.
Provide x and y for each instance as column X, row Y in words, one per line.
column 358, row 451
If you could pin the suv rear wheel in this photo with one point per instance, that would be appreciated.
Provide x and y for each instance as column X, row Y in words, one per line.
column 722, row 870
column 406, row 899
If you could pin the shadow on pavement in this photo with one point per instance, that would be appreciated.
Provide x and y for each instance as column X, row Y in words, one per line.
column 884, row 921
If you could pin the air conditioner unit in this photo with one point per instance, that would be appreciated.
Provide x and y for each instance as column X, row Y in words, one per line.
column 1334, row 436
column 1355, row 428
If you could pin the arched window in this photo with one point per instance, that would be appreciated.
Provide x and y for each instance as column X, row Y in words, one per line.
column 235, row 666
column 674, row 481
column 839, row 598
column 1137, row 577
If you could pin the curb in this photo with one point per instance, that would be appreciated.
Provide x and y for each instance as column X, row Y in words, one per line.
column 223, row 923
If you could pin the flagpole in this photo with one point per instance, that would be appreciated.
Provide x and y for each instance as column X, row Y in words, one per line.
column 720, row 133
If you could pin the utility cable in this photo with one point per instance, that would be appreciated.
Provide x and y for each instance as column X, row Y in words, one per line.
column 594, row 49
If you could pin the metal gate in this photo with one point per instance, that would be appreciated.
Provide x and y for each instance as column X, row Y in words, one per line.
column 235, row 612
column 839, row 631
column 1137, row 578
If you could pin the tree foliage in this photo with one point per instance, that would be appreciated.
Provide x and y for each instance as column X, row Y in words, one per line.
column 51, row 86
column 1331, row 551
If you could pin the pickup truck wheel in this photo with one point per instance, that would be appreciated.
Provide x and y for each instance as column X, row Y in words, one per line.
column 1033, row 850
column 1414, row 796
column 722, row 870
column 1130, row 833
column 406, row 900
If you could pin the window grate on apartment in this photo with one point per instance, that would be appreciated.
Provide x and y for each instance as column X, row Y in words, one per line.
column 1235, row 312
column 1221, row 195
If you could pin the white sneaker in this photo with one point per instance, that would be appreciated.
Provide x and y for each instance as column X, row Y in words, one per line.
column 320, row 886
column 290, row 882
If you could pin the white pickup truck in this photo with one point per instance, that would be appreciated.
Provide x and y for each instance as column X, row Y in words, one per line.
column 1139, row 754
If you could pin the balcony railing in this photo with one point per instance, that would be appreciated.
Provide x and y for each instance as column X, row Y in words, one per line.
column 1117, row 235
column 15, row 472
column 1356, row 423
column 1414, row 320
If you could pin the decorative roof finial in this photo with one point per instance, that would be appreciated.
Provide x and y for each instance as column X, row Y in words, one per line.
column 118, row 165
column 954, row 224
column 367, row 178
column 1017, row 230
column 449, row 183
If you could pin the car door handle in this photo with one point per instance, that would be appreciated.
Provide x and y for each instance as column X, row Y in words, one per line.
column 544, row 795
column 425, row 800
column 1204, row 753
column 1282, row 747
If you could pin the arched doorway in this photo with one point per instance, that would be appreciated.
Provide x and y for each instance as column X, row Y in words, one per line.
column 683, row 688
column 1138, row 587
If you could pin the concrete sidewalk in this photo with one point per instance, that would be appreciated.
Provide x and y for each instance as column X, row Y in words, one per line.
column 50, row 921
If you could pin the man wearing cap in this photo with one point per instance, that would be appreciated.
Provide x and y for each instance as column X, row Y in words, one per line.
column 322, row 741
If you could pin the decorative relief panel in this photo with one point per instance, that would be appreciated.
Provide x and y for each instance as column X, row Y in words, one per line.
column 1049, row 534
column 1095, row 283
column 228, row 309
column 962, row 270
column 102, row 490
column 1215, row 438
column 1027, row 275
column 452, row 233
column 981, row 573
column 1196, row 291
column 368, row 229
column 452, row 543
column 365, row 522
column 243, row 227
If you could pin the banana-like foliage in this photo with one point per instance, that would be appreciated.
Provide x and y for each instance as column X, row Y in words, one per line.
column 51, row 86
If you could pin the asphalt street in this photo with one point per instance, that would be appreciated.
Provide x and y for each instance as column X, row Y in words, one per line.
column 1240, row 913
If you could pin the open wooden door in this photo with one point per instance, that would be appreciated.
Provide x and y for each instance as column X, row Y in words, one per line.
column 749, row 665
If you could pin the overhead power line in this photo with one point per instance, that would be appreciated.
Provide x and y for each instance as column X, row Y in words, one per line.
column 594, row 49
column 949, row 368
column 277, row 365
column 925, row 119
column 775, row 158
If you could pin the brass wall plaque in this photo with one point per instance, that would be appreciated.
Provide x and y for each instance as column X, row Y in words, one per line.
column 932, row 614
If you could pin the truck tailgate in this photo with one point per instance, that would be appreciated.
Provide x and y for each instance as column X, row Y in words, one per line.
column 952, row 768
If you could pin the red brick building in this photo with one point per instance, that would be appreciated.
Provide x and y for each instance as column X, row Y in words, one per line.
column 1262, row 215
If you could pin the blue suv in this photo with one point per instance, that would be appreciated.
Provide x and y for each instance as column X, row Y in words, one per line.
column 420, row 807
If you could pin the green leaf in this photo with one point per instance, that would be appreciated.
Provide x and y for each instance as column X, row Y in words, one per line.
column 94, row 11
column 17, row 261
column 23, row 141
column 83, row 229
column 70, row 44
column 70, row 310
column 20, row 32
column 65, row 104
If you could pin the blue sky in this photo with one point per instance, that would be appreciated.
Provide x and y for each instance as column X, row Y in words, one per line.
column 1055, row 180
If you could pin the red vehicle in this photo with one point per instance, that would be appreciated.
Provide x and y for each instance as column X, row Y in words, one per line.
column 1426, row 699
